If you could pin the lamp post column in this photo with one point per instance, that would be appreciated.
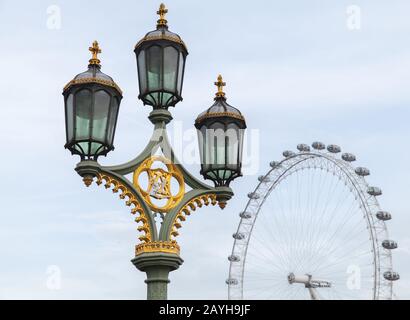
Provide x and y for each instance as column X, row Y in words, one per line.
column 157, row 266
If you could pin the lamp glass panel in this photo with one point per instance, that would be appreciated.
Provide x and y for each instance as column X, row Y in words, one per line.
column 142, row 71
column 70, row 117
column 201, row 140
column 113, row 121
column 83, row 114
column 170, row 69
column 219, row 143
column 180, row 73
column 241, row 134
column 232, row 138
column 100, row 115
column 209, row 147
column 154, row 68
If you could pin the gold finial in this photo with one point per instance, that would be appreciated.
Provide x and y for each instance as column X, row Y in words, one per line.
column 162, row 12
column 95, row 50
column 220, row 84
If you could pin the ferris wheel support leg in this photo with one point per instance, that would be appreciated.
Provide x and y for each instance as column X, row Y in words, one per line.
column 313, row 294
column 157, row 266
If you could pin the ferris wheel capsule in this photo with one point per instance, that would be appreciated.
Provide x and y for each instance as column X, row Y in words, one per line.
column 383, row 215
column 232, row 282
column 334, row 148
column 390, row 244
column 318, row 145
column 264, row 178
column 245, row 215
column 363, row 172
column 234, row 258
column 391, row 276
column 303, row 148
column 374, row 191
column 238, row 236
column 274, row 164
column 288, row 154
column 253, row 196
column 348, row 157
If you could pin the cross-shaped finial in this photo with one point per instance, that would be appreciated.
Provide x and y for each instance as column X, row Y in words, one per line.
column 95, row 50
column 220, row 84
column 162, row 12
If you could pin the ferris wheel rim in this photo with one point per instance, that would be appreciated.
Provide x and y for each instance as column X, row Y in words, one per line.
column 345, row 167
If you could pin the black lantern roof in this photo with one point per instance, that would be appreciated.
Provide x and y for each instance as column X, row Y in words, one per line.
column 221, row 110
column 94, row 74
column 162, row 32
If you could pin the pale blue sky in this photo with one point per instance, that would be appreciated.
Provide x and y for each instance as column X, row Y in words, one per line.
column 294, row 69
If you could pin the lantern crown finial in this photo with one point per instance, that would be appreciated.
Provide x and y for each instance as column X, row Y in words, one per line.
column 95, row 50
column 220, row 84
column 162, row 22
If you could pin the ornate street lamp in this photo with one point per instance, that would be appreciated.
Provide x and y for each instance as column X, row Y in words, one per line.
column 160, row 183
column 220, row 134
column 161, row 56
column 92, row 100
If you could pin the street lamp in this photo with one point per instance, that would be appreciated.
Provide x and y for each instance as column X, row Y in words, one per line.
column 220, row 134
column 161, row 56
column 92, row 102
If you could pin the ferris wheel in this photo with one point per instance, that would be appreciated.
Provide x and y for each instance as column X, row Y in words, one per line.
column 313, row 229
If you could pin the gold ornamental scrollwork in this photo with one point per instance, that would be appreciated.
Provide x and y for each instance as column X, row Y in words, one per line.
column 158, row 246
column 131, row 201
column 193, row 205
column 159, row 184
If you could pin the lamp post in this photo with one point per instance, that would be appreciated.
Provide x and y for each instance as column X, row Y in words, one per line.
column 92, row 101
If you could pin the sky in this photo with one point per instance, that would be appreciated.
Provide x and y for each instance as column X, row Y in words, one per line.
column 296, row 69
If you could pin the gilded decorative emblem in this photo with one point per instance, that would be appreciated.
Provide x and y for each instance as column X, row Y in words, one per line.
column 159, row 183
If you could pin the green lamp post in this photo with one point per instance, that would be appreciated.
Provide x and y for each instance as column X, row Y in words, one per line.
column 92, row 101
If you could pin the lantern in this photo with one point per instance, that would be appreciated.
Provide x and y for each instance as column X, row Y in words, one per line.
column 221, row 133
column 161, row 56
column 92, row 101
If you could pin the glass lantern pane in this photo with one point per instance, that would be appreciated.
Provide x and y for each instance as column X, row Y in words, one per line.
column 166, row 98
column 142, row 71
column 232, row 135
column 180, row 73
column 154, row 68
column 228, row 174
column 241, row 134
column 201, row 143
column 224, row 174
column 170, row 69
column 70, row 117
column 100, row 115
column 219, row 140
column 113, row 121
column 83, row 114
column 96, row 148
column 209, row 148
column 83, row 147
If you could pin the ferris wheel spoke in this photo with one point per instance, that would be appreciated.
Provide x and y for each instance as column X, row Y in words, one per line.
column 317, row 218
column 328, row 241
column 328, row 222
column 351, row 239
